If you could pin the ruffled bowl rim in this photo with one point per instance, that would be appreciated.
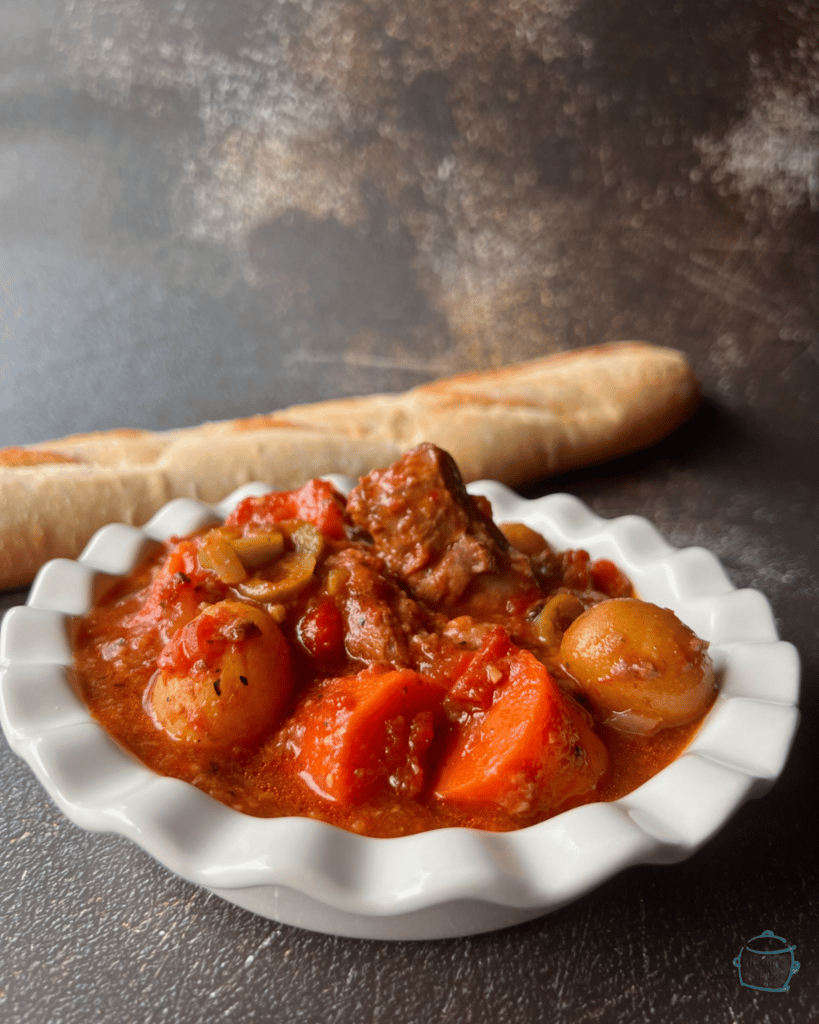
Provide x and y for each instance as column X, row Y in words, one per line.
column 434, row 884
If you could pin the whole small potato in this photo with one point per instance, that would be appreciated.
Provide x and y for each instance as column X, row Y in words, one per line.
column 223, row 678
column 640, row 668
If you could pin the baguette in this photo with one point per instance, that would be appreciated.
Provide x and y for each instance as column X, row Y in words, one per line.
column 515, row 424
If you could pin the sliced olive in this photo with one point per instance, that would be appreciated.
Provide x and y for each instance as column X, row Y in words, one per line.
column 306, row 538
column 217, row 554
column 258, row 549
column 523, row 538
column 558, row 614
column 282, row 580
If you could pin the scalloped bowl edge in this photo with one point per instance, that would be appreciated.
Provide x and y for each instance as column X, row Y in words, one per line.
column 443, row 883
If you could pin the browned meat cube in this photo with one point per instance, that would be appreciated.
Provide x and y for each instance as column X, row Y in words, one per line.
column 379, row 618
column 431, row 534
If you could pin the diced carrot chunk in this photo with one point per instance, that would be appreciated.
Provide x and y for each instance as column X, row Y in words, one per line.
column 529, row 753
column 366, row 734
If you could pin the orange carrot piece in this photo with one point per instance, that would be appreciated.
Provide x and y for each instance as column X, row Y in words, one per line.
column 529, row 753
column 366, row 734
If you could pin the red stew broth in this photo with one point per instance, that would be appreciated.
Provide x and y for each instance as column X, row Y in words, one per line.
column 116, row 659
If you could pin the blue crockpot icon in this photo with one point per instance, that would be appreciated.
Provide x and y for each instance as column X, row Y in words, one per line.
column 766, row 963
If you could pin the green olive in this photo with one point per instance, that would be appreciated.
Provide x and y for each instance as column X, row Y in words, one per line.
column 279, row 582
column 558, row 613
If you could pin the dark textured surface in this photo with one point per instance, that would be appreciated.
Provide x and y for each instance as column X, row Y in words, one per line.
column 211, row 209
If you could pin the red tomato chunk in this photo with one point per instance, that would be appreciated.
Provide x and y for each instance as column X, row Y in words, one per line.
column 317, row 502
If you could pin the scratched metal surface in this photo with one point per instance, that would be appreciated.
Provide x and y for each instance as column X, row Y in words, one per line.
column 210, row 209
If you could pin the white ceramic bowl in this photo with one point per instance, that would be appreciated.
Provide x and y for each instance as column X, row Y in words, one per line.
column 442, row 883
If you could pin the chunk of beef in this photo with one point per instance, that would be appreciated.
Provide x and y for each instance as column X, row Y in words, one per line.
column 378, row 617
column 432, row 535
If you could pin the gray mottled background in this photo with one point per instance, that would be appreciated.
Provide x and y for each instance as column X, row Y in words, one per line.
column 210, row 209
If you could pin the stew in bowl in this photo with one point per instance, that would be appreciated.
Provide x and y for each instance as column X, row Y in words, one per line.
column 429, row 702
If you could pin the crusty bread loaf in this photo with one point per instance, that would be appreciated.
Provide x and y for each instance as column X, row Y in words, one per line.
column 515, row 424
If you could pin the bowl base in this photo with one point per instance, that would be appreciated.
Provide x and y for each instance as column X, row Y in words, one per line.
column 443, row 921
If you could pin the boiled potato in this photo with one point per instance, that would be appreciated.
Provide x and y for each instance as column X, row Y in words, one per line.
column 639, row 667
column 224, row 678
